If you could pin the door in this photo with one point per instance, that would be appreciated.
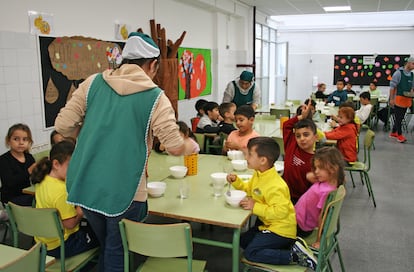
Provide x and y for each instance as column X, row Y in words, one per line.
column 281, row 72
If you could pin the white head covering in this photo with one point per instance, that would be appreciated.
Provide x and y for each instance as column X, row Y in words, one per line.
column 140, row 46
column 410, row 59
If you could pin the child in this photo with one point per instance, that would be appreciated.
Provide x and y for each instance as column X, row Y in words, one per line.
column 339, row 96
column 366, row 107
column 327, row 174
column 50, row 189
column 346, row 134
column 271, row 240
column 349, row 90
column 374, row 92
column 237, row 139
column 16, row 166
column 200, row 112
column 299, row 138
column 209, row 121
column 319, row 94
column 227, row 110
column 185, row 132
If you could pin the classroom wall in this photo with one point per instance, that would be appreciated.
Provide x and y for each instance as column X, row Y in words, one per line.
column 314, row 40
column 20, row 91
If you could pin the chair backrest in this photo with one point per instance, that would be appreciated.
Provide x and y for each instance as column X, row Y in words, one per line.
column 279, row 141
column 194, row 122
column 201, row 140
column 157, row 240
column 328, row 230
column 41, row 222
column 368, row 143
column 33, row 260
column 280, row 112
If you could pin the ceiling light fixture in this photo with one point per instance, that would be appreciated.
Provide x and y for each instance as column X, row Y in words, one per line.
column 337, row 8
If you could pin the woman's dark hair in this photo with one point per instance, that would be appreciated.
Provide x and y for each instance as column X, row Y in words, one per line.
column 60, row 152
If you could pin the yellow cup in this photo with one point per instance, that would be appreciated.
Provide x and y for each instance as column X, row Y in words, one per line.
column 282, row 120
column 191, row 162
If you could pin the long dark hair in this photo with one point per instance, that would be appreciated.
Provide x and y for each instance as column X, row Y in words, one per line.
column 60, row 152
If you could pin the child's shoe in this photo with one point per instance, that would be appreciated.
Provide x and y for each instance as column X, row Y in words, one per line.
column 305, row 255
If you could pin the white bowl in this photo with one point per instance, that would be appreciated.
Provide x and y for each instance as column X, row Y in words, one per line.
column 178, row 171
column 156, row 188
column 239, row 165
column 235, row 197
column 235, row 155
column 219, row 177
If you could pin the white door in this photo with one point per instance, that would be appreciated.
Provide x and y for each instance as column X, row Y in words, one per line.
column 281, row 72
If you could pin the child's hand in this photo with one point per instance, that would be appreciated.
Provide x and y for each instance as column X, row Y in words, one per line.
column 232, row 145
column 247, row 203
column 310, row 176
column 231, row 178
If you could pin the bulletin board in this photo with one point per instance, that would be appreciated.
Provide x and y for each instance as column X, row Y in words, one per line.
column 364, row 69
column 66, row 62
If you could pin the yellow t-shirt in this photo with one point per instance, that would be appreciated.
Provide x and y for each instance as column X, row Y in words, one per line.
column 272, row 202
column 51, row 193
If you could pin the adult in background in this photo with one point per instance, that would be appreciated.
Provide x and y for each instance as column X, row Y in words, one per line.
column 115, row 115
column 243, row 91
column 401, row 96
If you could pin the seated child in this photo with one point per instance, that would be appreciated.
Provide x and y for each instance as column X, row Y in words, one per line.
column 209, row 121
column 200, row 112
column 349, row 89
column 16, row 166
column 365, row 110
column 186, row 133
column 237, row 139
column 339, row 95
column 274, row 235
column 319, row 94
column 49, row 177
column 299, row 138
column 227, row 110
column 346, row 134
column 327, row 174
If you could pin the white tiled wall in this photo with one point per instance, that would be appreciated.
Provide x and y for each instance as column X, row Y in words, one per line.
column 20, row 89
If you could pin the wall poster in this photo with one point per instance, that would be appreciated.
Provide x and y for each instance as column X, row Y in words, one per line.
column 68, row 61
column 363, row 69
column 194, row 72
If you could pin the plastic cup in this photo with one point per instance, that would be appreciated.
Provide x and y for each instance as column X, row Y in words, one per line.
column 184, row 189
column 218, row 188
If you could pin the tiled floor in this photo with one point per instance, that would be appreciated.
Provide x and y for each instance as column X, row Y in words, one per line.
column 371, row 239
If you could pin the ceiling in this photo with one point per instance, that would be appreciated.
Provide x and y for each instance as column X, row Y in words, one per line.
column 298, row 7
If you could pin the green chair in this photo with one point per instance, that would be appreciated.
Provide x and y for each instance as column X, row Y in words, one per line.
column 280, row 112
column 46, row 223
column 328, row 241
column 33, row 260
column 279, row 141
column 162, row 244
column 363, row 167
column 214, row 143
column 201, row 140
column 4, row 221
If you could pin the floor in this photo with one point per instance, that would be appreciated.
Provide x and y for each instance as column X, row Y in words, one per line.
column 371, row 239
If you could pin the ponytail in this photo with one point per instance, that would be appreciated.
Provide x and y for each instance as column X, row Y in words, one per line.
column 60, row 152
column 42, row 168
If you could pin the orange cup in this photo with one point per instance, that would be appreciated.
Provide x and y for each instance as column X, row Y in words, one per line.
column 191, row 162
column 282, row 120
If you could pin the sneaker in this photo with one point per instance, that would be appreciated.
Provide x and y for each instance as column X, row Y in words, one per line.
column 305, row 255
column 401, row 139
column 394, row 135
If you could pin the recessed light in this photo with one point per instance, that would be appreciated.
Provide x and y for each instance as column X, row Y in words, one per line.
column 337, row 8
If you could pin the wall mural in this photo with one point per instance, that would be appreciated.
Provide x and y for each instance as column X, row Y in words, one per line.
column 66, row 62
column 194, row 72
column 363, row 69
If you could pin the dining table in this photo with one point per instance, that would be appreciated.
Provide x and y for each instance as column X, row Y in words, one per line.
column 8, row 253
column 201, row 205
